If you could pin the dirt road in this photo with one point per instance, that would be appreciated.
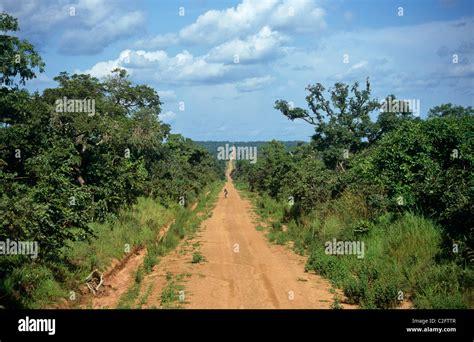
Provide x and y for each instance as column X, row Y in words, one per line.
column 242, row 269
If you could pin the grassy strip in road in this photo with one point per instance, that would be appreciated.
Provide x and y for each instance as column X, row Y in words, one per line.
column 127, row 300
column 173, row 295
column 186, row 223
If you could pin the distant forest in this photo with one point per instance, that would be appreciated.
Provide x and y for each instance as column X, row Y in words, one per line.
column 212, row 146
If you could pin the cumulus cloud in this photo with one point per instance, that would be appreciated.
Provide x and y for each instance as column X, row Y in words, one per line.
column 181, row 69
column 82, row 27
column 254, row 83
column 413, row 57
column 265, row 45
column 93, row 40
column 217, row 26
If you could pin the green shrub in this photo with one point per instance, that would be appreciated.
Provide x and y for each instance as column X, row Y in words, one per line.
column 382, row 294
column 330, row 266
column 197, row 258
column 355, row 289
column 32, row 286
column 151, row 257
column 439, row 287
column 278, row 237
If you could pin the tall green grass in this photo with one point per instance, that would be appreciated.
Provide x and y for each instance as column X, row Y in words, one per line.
column 186, row 222
column 401, row 260
column 134, row 228
column 39, row 285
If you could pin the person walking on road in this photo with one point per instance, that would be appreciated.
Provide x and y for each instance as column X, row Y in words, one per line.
column 225, row 192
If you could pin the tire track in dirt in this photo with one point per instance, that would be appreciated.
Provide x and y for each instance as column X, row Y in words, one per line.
column 242, row 269
column 119, row 277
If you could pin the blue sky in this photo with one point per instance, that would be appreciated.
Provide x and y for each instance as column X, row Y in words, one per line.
column 282, row 46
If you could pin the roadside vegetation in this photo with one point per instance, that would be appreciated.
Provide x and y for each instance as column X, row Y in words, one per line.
column 401, row 185
column 186, row 224
column 88, row 171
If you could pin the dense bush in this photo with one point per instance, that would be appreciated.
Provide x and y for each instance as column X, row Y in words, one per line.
column 404, row 186
column 63, row 168
column 428, row 164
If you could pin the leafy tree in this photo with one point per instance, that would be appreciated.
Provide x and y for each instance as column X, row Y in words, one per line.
column 129, row 97
column 341, row 123
column 391, row 118
column 308, row 182
column 272, row 165
column 428, row 165
column 62, row 167
column 182, row 169
column 18, row 57
column 449, row 109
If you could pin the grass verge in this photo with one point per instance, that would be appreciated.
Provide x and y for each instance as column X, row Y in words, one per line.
column 401, row 253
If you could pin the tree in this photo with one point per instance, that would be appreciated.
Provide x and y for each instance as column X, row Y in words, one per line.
column 18, row 57
column 341, row 123
column 395, row 112
column 272, row 165
column 428, row 165
column 129, row 97
column 308, row 182
column 78, row 153
column 449, row 109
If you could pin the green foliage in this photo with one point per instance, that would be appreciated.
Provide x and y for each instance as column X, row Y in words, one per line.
column 449, row 109
column 400, row 256
column 17, row 57
column 343, row 122
column 151, row 257
column 278, row 237
column 170, row 295
column 65, row 171
column 429, row 165
column 406, row 190
column 197, row 258
column 271, row 167
column 390, row 118
column 297, row 176
column 32, row 286
column 127, row 300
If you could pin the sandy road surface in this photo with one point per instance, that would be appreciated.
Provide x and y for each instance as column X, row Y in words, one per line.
column 242, row 269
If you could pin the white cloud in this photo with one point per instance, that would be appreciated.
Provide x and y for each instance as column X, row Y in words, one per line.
column 395, row 58
column 93, row 40
column 167, row 95
column 217, row 26
column 80, row 26
column 254, row 83
column 264, row 45
column 42, row 16
column 102, row 69
column 214, row 26
column 300, row 16
column 157, row 66
column 168, row 117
